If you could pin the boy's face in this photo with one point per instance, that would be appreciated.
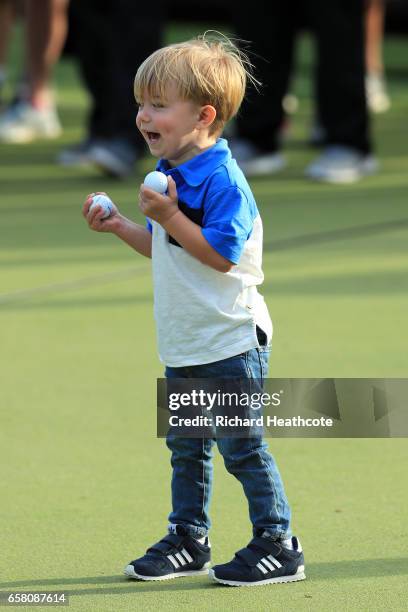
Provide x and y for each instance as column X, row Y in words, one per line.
column 171, row 127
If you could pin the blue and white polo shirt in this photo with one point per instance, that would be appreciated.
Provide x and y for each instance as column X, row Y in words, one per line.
column 203, row 315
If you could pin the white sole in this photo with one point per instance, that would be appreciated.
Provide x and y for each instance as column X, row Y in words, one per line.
column 28, row 138
column 300, row 575
column 130, row 572
column 264, row 165
column 346, row 177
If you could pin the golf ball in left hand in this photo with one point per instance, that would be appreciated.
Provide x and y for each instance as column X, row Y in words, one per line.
column 104, row 202
column 157, row 181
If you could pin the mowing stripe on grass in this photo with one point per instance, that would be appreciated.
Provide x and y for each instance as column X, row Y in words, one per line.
column 278, row 245
column 346, row 233
column 99, row 279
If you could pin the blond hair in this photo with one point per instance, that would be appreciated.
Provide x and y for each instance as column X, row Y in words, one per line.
column 209, row 69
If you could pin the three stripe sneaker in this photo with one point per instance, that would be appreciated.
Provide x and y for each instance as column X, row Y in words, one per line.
column 263, row 561
column 174, row 556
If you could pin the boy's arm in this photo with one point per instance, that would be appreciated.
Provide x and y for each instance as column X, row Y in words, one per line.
column 135, row 235
column 189, row 235
column 164, row 210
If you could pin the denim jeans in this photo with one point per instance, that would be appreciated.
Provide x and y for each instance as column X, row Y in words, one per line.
column 246, row 458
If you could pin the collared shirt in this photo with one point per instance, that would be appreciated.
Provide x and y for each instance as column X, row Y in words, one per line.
column 204, row 315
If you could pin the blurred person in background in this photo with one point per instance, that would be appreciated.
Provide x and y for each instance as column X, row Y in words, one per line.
column 34, row 114
column 377, row 97
column 111, row 39
column 6, row 22
column 340, row 88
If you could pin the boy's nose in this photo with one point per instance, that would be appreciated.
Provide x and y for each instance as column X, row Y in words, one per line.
column 142, row 115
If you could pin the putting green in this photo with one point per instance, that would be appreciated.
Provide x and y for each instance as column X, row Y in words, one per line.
column 85, row 482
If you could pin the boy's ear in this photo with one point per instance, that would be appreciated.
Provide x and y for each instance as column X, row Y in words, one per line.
column 207, row 116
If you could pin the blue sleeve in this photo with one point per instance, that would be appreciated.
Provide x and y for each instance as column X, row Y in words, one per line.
column 228, row 222
column 149, row 225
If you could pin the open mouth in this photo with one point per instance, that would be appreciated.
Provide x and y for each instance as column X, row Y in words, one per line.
column 152, row 137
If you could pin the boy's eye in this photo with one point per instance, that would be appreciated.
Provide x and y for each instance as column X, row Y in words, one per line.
column 140, row 105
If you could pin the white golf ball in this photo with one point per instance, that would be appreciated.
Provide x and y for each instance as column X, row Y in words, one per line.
column 157, row 181
column 104, row 202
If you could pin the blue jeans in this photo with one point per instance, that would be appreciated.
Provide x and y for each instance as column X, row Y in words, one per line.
column 246, row 458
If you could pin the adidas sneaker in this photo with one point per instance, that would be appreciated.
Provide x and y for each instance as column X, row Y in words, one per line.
column 174, row 556
column 263, row 561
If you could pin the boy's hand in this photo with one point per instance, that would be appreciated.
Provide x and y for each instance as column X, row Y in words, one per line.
column 94, row 217
column 157, row 206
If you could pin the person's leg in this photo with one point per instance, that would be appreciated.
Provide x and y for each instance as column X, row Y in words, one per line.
column 374, row 31
column 46, row 34
column 250, row 462
column 91, row 24
column 257, row 133
column 272, row 555
column 33, row 115
column 341, row 98
column 185, row 550
column 113, row 38
column 377, row 97
column 191, row 460
column 11, row 12
column 248, row 458
column 191, row 483
column 6, row 22
column 271, row 51
column 138, row 32
column 342, row 109
column 93, row 40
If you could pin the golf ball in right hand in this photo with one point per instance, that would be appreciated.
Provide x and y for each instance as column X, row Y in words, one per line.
column 157, row 181
column 104, row 202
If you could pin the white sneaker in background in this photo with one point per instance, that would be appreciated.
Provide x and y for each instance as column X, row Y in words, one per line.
column 253, row 161
column 24, row 123
column 378, row 100
column 340, row 164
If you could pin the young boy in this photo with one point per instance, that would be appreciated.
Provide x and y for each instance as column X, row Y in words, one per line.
column 205, row 240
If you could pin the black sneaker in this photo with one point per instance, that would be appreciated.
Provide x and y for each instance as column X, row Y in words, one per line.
column 172, row 557
column 77, row 154
column 263, row 561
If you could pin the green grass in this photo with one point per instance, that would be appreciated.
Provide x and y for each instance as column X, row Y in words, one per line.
column 85, row 482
